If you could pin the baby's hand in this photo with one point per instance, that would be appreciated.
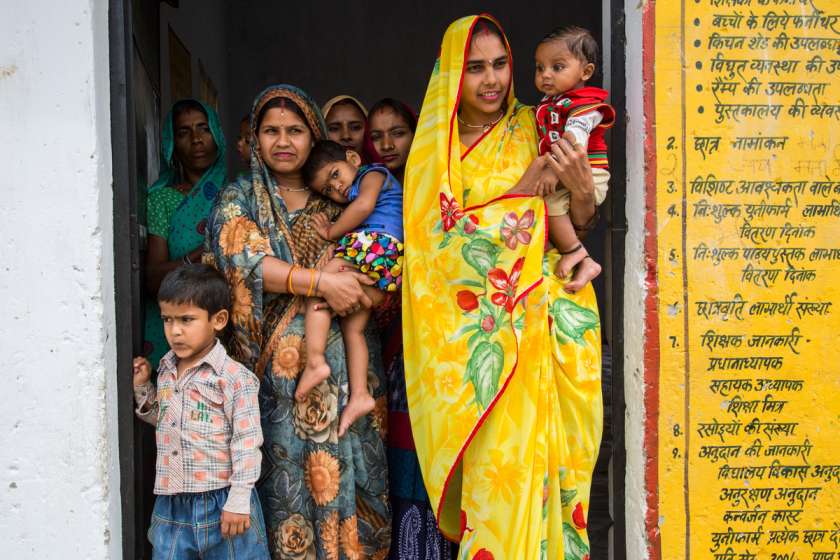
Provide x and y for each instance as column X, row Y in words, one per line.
column 546, row 182
column 321, row 224
column 142, row 371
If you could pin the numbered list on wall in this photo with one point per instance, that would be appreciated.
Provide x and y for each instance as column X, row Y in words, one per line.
column 747, row 125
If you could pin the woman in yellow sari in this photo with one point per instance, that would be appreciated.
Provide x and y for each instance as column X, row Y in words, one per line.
column 502, row 366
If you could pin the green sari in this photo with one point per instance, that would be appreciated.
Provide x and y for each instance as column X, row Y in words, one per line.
column 180, row 219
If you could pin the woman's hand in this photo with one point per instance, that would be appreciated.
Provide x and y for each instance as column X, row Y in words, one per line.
column 527, row 184
column 343, row 291
column 571, row 165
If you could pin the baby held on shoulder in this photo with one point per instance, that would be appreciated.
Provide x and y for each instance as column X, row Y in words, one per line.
column 369, row 237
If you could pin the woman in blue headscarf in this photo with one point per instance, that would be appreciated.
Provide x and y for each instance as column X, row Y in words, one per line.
column 323, row 496
column 193, row 170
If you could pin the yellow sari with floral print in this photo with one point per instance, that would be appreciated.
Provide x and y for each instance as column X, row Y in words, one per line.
column 502, row 366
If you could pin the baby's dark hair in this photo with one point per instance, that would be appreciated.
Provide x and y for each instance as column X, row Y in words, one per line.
column 196, row 284
column 578, row 40
column 323, row 153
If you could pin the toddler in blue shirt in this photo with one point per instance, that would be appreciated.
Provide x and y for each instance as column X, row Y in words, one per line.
column 370, row 239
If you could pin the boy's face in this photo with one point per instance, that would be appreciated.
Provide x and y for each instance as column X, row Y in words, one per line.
column 334, row 179
column 189, row 329
column 558, row 70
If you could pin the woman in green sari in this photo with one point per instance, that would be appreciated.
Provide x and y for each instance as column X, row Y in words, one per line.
column 323, row 496
column 193, row 170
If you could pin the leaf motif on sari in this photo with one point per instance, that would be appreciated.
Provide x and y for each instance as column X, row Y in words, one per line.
column 481, row 254
column 566, row 496
column 573, row 546
column 571, row 321
column 484, row 369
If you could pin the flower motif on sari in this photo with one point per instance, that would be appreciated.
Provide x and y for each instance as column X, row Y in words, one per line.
column 231, row 211
column 329, row 535
column 506, row 284
column 467, row 300
column 234, row 234
column 314, row 417
column 349, row 538
column 379, row 416
column 471, row 224
column 514, row 229
column 295, row 539
column 450, row 212
column 322, row 477
column 289, row 358
column 241, row 300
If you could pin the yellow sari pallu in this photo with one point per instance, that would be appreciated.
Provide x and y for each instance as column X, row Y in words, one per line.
column 502, row 366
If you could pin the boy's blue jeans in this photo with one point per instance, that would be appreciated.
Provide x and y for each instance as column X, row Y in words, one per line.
column 188, row 526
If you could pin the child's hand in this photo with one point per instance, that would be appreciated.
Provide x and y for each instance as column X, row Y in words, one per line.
column 234, row 523
column 546, row 182
column 321, row 224
column 142, row 371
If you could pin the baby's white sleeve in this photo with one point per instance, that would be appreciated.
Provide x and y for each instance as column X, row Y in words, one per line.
column 581, row 126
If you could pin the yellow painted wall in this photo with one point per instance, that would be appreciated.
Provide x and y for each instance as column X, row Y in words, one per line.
column 747, row 128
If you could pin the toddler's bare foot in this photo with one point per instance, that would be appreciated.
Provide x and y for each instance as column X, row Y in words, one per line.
column 569, row 259
column 357, row 407
column 311, row 377
column 586, row 271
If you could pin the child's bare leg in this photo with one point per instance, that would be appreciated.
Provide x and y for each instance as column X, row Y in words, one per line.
column 317, row 329
column 586, row 271
column 562, row 235
column 561, row 232
column 360, row 402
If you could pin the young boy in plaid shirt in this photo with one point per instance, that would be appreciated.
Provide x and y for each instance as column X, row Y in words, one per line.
column 208, row 433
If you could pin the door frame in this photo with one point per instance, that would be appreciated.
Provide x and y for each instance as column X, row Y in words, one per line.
column 615, row 251
column 128, row 282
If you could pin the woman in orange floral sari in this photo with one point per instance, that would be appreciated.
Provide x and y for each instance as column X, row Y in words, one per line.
column 323, row 496
column 502, row 366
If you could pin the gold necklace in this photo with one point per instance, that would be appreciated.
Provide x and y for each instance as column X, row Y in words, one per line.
column 291, row 189
column 483, row 127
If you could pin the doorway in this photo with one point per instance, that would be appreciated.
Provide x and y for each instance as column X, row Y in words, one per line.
column 369, row 49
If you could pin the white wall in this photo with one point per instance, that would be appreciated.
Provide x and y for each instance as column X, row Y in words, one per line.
column 59, row 479
column 635, row 289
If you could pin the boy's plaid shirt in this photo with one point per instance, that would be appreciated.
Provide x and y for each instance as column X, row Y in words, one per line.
column 207, row 427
